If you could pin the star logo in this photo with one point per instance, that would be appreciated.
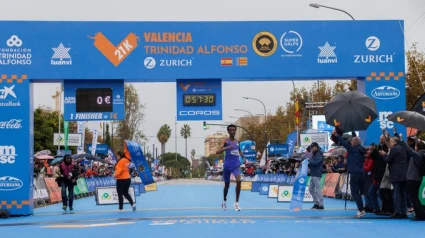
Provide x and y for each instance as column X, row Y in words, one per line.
column 61, row 56
column 327, row 54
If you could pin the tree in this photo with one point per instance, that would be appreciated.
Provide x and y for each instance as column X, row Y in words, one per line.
column 415, row 76
column 130, row 127
column 163, row 135
column 46, row 123
column 185, row 133
column 88, row 138
column 107, row 135
column 178, row 167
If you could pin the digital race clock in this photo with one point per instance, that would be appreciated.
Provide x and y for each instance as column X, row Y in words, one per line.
column 94, row 100
column 199, row 99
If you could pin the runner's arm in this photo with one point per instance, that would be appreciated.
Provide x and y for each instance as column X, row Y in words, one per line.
column 221, row 149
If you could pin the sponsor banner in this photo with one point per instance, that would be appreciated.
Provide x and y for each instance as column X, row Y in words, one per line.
column 264, row 189
column 299, row 189
column 40, row 189
column 16, row 133
column 390, row 96
column 136, row 155
column 73, row 139
column 320, row 138
column 101, row 149
column 273, row 190
column 282, row 149
column 285, row 194
column 248, row 149
column 109, row 195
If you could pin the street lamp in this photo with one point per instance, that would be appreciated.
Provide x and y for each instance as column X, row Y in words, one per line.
column 241, row 110
column 265, row 119
column 315, row 5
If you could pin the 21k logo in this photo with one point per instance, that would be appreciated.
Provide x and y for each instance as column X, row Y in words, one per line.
column 115, row 54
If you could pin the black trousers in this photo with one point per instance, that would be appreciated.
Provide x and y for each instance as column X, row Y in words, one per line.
column 413, row 190
column 122, row 189
column 67, row 185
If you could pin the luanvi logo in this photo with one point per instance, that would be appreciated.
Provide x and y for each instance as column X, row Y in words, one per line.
column 115, row 54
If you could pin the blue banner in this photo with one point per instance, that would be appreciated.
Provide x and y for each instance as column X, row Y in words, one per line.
column 136, row 155
column 298, row 191
column 278, row 150
column 199, row 99
column 248, row 149
column 16, row 145
column 101, row 149
column 291, row 141
column 322, row 126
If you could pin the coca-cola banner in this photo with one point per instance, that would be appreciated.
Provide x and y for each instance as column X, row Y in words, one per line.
column 16, row 144
column 11, row 124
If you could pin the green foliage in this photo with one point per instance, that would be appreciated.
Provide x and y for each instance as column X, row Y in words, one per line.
column 108, row 139
column 163, row 135
column 185, row 133
column 46, row 123
column 177, row 167
column 130, row 127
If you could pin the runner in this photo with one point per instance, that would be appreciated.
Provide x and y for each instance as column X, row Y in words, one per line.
column 231, row 165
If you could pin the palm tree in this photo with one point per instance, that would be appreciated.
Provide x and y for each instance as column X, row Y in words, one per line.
column 185, row 133
column 193, row 153
column 163, row 135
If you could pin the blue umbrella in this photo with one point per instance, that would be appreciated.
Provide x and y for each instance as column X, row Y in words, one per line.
column 58, row 159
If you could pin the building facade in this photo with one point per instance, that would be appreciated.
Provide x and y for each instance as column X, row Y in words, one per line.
column 212, row 142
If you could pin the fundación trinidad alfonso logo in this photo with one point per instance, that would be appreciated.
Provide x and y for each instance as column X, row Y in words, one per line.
column 183, row 86
column 115, row 54
column 264, row 44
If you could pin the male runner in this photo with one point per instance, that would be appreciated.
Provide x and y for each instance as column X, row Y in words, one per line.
column 231, row 164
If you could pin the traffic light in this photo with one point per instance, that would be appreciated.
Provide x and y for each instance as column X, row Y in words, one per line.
column 205, row 125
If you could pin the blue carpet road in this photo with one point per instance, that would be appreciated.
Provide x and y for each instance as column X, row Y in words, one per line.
column 187, row 209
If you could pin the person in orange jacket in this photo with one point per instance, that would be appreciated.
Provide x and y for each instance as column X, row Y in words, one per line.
column 122, row 175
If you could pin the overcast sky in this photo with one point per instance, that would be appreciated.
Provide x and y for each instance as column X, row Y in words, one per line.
column 272, row 94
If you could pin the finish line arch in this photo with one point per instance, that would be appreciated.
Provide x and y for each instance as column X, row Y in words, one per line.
column 57, row 51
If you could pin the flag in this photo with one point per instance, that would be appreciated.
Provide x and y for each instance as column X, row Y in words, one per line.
column 135, row 154
column 242, row 61
column 226, row 61
column 299, row 187
column 297, row 113
column 66, row 130
column 291, row 141
column 81, row 129
column 94, row 142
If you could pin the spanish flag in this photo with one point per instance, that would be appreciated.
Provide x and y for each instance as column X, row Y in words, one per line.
column 297, row 113
column 242, row 61
column 226, row 61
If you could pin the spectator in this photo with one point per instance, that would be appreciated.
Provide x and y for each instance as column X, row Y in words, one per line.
column 316, row 165
column 355, row 160
column 397, row 161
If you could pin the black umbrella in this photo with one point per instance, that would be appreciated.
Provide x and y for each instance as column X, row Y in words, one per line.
column 409, row 119
column 350, row 111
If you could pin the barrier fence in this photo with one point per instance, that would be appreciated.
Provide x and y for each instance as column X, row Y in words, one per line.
column 47, row 191
column 334, row 185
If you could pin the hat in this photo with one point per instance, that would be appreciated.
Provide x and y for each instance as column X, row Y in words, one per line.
column 314, row 144
column 67, row 156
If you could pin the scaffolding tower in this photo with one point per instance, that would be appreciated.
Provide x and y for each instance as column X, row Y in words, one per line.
column 313, row 108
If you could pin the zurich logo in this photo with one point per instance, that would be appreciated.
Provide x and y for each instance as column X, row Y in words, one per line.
column 8, row 183
column 271, row 149
column 385, row 92
column 265, row 188
column 301, row 180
